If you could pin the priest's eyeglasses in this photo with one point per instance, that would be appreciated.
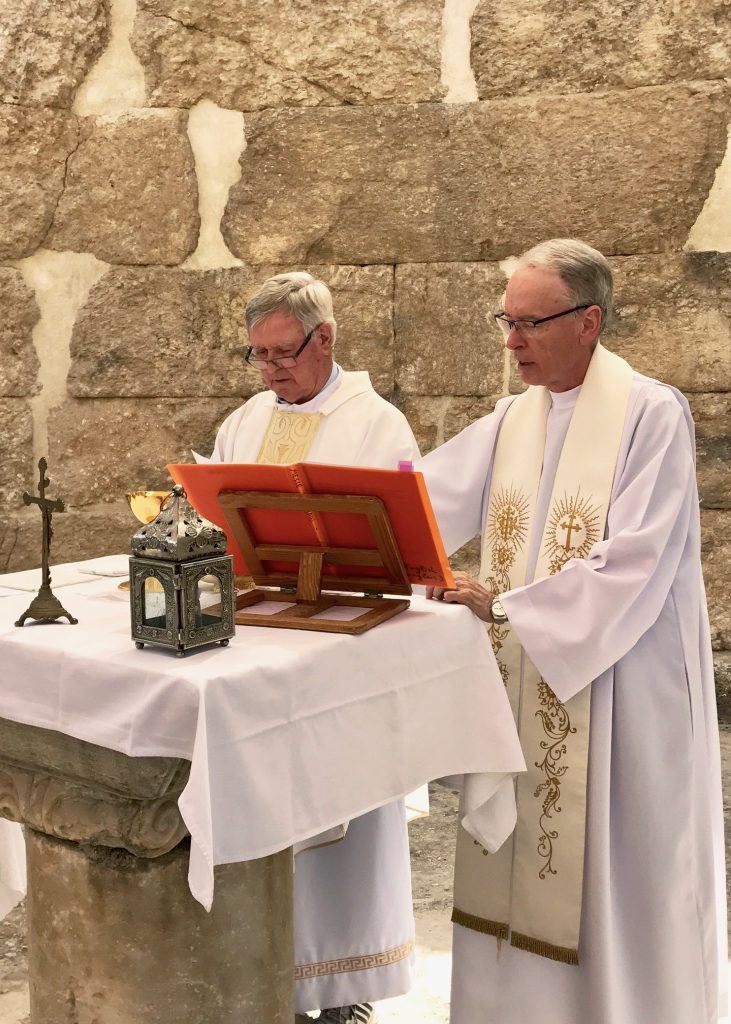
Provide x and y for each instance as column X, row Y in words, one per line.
column 526, row 327
column 283, row 362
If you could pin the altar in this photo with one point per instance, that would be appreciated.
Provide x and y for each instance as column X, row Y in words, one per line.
column 278, row 739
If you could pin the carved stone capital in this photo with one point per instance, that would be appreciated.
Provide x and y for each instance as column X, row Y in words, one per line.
column 89, row 794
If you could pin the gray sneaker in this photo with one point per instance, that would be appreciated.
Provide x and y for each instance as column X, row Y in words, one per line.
column 361, row 1013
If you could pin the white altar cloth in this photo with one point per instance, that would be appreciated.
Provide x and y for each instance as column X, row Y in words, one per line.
column 289, row 733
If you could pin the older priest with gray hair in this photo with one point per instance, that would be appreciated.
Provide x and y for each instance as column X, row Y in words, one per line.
column 353, row 919
column 607, row 906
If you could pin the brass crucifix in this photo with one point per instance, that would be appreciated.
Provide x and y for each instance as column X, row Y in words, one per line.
column 45, row 606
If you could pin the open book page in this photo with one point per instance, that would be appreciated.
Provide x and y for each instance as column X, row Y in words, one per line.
column 403, row 495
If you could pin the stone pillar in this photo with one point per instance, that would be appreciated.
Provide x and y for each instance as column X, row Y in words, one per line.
column 118, row 939
column 114, row 935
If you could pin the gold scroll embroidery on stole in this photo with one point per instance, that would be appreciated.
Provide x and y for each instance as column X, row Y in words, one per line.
column 572, row 529
column 289, row 437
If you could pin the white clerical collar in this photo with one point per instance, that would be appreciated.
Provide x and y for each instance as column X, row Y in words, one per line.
column 320, row 398
column 564, row 399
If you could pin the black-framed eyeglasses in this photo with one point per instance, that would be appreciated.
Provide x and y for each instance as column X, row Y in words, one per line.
column 283, row 362
column 524, row 327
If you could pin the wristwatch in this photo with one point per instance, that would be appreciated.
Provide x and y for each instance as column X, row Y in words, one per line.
column 498, row 612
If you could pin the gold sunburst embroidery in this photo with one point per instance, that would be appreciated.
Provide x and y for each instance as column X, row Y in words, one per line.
column 572, row 530
column 506, row 529
column 507, row 518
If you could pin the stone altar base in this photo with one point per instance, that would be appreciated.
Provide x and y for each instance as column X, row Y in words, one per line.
column 114, row 935
column 118, row 939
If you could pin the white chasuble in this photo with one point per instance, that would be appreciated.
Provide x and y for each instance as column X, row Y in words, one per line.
column 355, row 427
column 353, row 916
column 630, row 622
column 530, row 890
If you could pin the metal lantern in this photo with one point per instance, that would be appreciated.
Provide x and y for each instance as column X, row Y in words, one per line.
column 181, row 580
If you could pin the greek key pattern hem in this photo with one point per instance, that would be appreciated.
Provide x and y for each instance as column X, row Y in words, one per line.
column 365, row 962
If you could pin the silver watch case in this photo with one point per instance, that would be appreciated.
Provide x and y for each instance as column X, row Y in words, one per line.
column 498, row 612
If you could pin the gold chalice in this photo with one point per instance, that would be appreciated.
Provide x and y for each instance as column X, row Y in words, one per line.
column 146, row 505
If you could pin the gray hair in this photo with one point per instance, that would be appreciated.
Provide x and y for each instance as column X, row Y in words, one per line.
column 585, row 272
column 299, row 294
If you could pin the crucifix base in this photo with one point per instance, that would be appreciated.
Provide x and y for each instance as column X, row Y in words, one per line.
column 45, row 607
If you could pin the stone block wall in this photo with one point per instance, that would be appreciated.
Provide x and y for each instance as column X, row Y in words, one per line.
column 159, row 158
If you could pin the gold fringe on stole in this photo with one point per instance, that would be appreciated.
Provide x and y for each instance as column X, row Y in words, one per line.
column 559, row 953
column 501, row 931
column 479, row 924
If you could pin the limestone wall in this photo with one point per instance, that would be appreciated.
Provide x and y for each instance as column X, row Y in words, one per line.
column 158, row 158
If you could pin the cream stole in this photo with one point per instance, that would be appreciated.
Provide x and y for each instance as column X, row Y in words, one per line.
column 289, row 437
column 530, row 890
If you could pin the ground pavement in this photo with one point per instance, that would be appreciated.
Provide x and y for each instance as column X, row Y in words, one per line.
column 432, row 856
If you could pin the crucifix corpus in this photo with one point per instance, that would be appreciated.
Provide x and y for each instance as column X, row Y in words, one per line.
column 45, row 606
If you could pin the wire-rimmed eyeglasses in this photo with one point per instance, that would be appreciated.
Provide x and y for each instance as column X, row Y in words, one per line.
column 283, row 362
column 526, row 327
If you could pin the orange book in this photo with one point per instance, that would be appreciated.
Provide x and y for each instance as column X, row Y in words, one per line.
column 403, row 494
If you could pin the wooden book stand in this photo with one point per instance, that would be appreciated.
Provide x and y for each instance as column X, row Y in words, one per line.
column 312, row 591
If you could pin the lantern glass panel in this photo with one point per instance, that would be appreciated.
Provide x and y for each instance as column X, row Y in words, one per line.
column 208, row 605
column 153, row 603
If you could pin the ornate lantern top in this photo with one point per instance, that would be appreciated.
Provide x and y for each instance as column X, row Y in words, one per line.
column 178, row 533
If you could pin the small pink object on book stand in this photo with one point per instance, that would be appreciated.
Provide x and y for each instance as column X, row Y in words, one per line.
column 406, row 466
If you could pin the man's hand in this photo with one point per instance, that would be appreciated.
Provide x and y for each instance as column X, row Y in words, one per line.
column 467, row 591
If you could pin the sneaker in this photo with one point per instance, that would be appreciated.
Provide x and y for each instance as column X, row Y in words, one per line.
column 361, row 1013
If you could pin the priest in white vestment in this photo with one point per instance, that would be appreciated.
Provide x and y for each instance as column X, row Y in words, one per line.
column 353, row 918
column 607, row 906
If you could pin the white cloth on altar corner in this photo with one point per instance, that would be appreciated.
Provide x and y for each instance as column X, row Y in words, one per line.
column 289, row 733
column 488, row 809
